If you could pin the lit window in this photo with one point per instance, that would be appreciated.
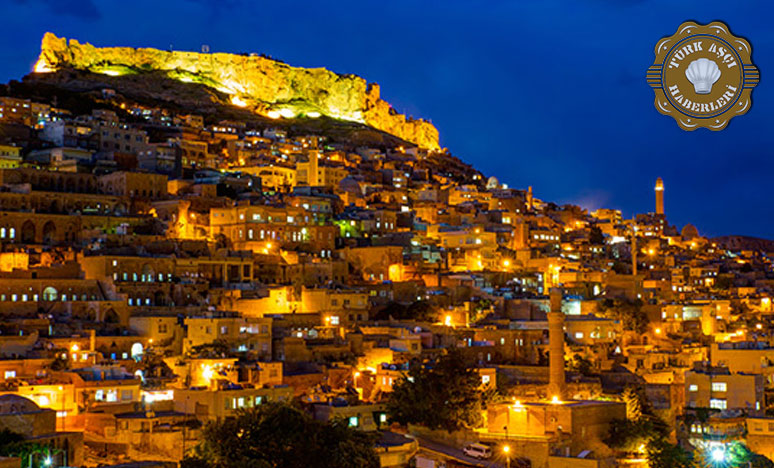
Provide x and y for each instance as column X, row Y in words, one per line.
column 718, row 386
column 579, row 335
column 9, row 374
column 693, row 388
column 353, row 421
column 718, row 404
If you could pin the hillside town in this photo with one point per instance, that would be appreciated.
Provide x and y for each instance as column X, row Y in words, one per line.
column 160, row 271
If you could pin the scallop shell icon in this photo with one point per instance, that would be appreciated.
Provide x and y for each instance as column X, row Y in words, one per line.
column 703, row 76
column 702, row 73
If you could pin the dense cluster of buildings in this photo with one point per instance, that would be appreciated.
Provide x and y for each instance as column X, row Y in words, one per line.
column 158, row 271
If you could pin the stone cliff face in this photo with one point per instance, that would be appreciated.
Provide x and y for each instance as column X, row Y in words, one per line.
column 269, row 87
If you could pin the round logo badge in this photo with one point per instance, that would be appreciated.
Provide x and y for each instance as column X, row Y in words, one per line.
column 703, row 76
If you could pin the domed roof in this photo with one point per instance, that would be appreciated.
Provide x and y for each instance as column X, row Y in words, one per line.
column 10, row 404
column 350, row 185
column 689, row 232
column 492, row 183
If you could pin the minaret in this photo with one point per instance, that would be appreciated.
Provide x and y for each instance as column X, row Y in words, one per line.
column 556, row 379
column 659, row 196
column 312, row 178
column 634, row 252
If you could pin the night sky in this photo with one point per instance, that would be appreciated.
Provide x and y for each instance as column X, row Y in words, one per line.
column 543, row 93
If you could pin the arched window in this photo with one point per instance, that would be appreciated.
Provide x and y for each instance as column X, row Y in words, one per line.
column 50, row 294
column 137, row 351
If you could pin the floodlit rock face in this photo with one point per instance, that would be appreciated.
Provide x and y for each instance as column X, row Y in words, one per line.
column 270, row 87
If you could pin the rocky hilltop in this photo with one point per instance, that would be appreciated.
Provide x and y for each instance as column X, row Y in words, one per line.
column 737, row 243
column 268, row 87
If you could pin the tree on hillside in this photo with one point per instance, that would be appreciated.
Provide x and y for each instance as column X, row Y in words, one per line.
column 661, row 454
column 421, row 311
column 596, row 236
column 442, row 395
column 634, row 403
column 13, row 444
column 278, row 435
column 628, row 312
column 644, row 432
column 580, row 364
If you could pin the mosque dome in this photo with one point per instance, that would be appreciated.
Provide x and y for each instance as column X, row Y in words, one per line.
column 689, row 232
column 10, row 404
column 350, row 185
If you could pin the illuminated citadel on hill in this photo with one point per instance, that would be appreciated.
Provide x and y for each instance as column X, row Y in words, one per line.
column 271, row 88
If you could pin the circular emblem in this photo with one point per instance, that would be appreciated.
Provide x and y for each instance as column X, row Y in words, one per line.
column 703, row 76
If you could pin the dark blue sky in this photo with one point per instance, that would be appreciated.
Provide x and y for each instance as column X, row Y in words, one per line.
column 544, row 93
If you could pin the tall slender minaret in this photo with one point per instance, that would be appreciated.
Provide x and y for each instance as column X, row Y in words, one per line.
column 634, row 252
column 659, row 196
column 312, row 178
column 556, row 378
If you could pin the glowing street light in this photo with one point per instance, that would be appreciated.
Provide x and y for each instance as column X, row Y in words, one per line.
column 718, row 455
column 507, row 452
